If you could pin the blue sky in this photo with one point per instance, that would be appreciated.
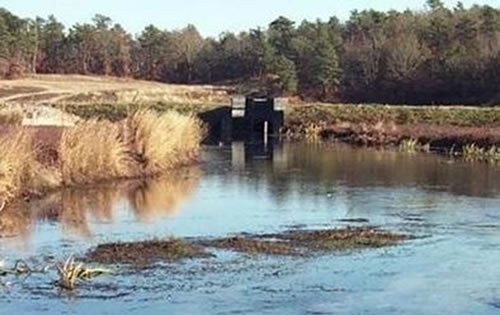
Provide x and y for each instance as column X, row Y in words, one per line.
column 210, row 16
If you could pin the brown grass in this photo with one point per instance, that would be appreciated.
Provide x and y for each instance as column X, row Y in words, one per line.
column 20, row 172
column 162, row 141
column 94, row 151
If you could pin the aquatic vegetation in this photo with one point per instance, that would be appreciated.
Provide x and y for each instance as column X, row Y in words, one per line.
column 296, row 242
column 70, row 273
column 473, row 152
column 145, row 252
column 304, row 242
column 313, row 133
column 252, row 245
column 343, row 239
column 301, row 242
column 400, row 115
column 409, row 145
column 378, row 125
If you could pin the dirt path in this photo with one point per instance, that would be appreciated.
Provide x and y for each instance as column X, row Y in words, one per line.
column 39, row 89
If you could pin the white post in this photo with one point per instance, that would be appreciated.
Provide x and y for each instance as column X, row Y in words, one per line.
column 266, row 130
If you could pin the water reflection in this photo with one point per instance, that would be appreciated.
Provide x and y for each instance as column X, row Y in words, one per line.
column 152, row 198
column 74, row 209
column 284, row 177
column 295, row 168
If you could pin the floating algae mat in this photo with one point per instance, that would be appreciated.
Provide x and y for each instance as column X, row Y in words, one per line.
column 287, row 243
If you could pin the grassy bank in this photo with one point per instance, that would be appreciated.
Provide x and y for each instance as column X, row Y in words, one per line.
column 435, row 128
column 119, row 111
column 37, row 160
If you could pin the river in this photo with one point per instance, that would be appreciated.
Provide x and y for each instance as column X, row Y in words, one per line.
column 453, row 207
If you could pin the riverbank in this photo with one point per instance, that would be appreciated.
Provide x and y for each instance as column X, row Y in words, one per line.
column 471, row 131
column 40, row 159
column 450, row 129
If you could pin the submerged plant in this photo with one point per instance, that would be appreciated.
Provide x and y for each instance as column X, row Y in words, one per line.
column 71, row 272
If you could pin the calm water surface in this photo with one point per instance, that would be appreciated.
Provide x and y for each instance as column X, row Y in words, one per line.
column 452, row 269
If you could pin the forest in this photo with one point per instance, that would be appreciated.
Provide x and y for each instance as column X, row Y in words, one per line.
column 437, row 55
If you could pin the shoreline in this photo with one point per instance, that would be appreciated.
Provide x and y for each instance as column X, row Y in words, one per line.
column 39, row 160
column 473, row 132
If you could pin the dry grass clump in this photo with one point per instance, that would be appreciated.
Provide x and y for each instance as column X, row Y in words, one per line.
column 70, row 273
column 20, row 172
column 163, row 141
column 15, row 162
column 94, row 151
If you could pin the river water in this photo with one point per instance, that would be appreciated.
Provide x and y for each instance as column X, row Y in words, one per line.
column 453, row 208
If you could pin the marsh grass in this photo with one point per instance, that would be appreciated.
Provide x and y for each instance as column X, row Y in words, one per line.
column 313, row 133
column 473, row 152
column 94, row 151
column 162, row 141
column 20, row 171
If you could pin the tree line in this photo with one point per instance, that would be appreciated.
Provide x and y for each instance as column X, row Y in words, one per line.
column 439, row 55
